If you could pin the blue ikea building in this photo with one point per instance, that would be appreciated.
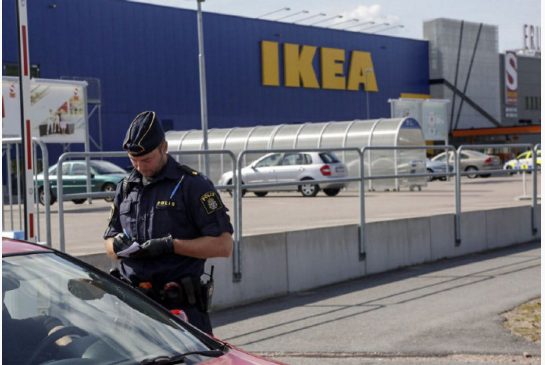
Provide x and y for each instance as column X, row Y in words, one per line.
column 258, row 72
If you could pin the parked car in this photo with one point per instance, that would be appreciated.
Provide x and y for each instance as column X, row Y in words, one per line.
column 104, row 177
column 292, row 166
column 438, row 167
column 523, row 161
column 472, row 162
column 60, row 310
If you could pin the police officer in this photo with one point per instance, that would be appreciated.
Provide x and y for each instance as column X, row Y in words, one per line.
column 173, row 218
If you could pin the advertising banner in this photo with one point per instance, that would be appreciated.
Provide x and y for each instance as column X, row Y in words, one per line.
column 57, row 110
column 511, row 85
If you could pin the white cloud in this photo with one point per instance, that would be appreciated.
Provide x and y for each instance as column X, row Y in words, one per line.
column 364, row 12
column 370, row 13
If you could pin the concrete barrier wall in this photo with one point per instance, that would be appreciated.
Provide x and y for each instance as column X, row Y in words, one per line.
column 277, row 264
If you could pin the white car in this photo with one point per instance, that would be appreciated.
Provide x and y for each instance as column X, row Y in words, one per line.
column 292, row 166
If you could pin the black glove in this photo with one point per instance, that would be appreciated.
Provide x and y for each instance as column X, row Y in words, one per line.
column 155, row 247
column 121, row 242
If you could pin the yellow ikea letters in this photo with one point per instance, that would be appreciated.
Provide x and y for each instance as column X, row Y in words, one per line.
column 299, row 70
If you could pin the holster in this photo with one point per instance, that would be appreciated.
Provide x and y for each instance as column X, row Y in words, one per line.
column 188, row 291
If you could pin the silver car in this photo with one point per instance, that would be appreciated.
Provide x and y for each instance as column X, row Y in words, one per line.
column 292, row 166
column 472, row 161
column 437, row 167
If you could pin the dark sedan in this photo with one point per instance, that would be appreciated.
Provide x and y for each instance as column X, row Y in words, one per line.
column 104, row 177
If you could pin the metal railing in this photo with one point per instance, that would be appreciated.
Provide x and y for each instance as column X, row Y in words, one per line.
column 7, row 144
column 459, row 174
column 238, row 186
column 362, row 248
column 67, row 155
column 237, row 198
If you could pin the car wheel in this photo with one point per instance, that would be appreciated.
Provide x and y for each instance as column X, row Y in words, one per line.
column 510, row 170
column 332, row 192
column 472, row 172
column 309, row 190
column 41, row 197
column 430, row 178
column 230, row 192
column 261, row 193
column 79, row 201
column 108, row 187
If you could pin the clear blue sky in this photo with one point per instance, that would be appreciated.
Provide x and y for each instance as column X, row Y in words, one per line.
column 508, row 15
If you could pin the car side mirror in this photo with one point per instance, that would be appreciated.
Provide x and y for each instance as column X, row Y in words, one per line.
column 254, row 167
column 92, row 176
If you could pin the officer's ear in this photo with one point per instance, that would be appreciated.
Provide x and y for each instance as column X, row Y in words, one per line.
column 163, row 147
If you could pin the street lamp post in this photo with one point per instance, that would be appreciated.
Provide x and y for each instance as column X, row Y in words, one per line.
column 389, row 28
column 311, row 17
column 373, row 26
column 366, row 72
column 273, row 12
column 344, row 22
column 290, row 15
column 358, row 25
column 202, row 88
column 325, row 20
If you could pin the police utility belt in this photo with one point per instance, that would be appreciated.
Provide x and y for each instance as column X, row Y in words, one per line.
column 187, row 291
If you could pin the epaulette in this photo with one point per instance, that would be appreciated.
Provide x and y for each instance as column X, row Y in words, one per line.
column 188, row 170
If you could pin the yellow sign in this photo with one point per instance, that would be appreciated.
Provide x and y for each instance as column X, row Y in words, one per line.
column 299, row 70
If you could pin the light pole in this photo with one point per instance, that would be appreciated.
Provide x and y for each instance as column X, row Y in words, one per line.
column 373, row 26
column 366, row 72
column 202, row 88
column 346, row 21
column 359, row 25
column 273, row 12
column 290, row 15
column 311, row 17
column 389, row 28
column 325, row 20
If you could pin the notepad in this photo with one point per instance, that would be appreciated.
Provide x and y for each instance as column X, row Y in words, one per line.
column 135, row 247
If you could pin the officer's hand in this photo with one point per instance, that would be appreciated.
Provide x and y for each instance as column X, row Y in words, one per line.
column 155, row 247
column 121, row 242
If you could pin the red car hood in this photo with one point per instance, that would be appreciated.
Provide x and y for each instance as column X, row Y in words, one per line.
column 11, row 246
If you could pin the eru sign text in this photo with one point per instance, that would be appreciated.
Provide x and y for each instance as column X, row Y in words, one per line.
column 299, row 70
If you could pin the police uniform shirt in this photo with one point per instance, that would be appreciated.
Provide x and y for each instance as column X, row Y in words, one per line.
column 178, row 201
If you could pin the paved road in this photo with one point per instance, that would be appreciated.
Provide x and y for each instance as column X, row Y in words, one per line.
column 447, row 312
column 280, row 212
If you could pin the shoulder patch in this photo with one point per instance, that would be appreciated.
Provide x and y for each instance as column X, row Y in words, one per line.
column 188, row 170
column 211, row 202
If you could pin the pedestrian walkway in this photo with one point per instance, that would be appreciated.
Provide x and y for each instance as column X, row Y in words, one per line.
column 447, row 312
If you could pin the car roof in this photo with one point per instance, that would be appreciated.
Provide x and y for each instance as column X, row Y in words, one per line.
column 11, row 246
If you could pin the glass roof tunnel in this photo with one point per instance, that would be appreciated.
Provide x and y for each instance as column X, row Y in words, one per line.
column 330, row 135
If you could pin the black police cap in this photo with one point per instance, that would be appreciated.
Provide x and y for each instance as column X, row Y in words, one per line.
column 144, row 134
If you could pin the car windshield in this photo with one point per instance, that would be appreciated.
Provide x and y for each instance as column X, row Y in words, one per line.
column 106, row 167
column 440, row 157
column 111, row 323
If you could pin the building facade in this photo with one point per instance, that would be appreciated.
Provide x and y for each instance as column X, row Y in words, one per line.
column 258, row 72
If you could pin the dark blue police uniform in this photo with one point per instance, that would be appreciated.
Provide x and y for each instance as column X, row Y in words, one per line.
column 178, row 201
